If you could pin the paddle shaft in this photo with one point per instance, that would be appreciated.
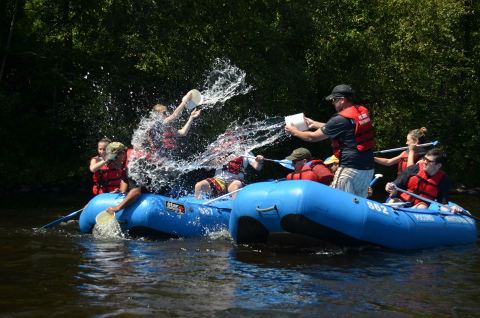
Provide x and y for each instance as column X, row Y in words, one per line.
column 285, row 163
column 221, row 197
column 405, row 148
column 464, row 212
column 62, row 219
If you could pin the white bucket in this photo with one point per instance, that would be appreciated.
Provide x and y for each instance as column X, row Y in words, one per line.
column 196, row 100
column 297, row 120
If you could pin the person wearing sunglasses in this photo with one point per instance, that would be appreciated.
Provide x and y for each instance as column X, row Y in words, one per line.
column 426, row 179
column 352, row 135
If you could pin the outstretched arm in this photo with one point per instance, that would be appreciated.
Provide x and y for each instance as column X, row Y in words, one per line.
column 387, row 161
column 131, row 197
column 182, row 132
column 310, row 136
column 176, row 113
column 256, row 163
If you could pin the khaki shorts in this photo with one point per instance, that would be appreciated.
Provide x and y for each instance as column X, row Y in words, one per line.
column 353, row 181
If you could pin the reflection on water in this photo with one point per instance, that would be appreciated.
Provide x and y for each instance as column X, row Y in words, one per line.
column 60, row 272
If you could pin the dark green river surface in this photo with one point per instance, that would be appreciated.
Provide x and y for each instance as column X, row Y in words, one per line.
column 62, row 273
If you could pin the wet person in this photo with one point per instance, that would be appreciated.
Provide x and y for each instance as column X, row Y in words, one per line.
column 308, row 169
column 163, row 135
column 352, row 135
column 411, row 155
column 228, row 178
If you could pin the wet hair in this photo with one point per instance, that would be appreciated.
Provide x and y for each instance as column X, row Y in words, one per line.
column 439, row 154
column 105, row 140
column 419, row 135
column 159, row 108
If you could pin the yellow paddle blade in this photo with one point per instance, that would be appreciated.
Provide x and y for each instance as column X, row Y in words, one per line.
column 104, row 217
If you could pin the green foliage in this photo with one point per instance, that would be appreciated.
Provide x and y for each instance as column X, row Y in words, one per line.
column 80, row 70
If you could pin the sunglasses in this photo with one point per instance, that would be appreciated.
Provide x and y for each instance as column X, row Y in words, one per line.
column 428, row 161
column 335, row 100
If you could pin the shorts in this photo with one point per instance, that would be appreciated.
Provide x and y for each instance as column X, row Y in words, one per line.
column 219, row 186
column 353, row 181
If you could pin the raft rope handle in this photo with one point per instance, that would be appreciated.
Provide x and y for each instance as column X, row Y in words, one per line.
column 259, row 209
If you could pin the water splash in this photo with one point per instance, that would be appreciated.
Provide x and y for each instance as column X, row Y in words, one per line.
column 156, row 168
column 108, row 230
column 223, row 82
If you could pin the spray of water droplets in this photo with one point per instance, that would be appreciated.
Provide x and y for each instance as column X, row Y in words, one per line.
column 155, row 168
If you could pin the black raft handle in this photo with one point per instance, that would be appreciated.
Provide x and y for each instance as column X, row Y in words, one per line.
column 259, row 209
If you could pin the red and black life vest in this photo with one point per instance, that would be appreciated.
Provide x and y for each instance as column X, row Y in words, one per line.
column 402, row 163
column 235, row 166
column 169, row 138
column 106, row 179
column 423, row 185
column 314, row 170
column 364, row 134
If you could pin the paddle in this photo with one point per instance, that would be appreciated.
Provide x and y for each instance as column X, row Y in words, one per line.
column 62, row 219
column 286, row 163
column 433, row 143
column 463, row 212
column 377, row 176
column 222, row 196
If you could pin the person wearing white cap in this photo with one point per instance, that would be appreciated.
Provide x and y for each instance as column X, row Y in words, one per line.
column 352, row 135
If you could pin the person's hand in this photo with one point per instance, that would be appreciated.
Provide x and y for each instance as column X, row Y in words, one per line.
column 259, row 158
column 370, row 192
column 390, row 187
column 112, row 210
column 412, row 147
column 291, row 129
column 310, row 123
column 187, row 97
column 456, row 209
column 195, row 113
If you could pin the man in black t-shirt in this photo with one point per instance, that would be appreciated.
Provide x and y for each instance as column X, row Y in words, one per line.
column 351, row 132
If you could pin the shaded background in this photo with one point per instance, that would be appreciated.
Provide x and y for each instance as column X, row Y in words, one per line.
column 75, row 71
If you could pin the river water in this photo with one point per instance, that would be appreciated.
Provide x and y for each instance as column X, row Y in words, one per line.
column 61, row 272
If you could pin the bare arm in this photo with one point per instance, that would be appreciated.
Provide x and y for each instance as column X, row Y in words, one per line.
column 131, row 197
column 387, row 161
column 176, row 113
column 257, row 163
column 310, row 136
column 182, row 132
column 411, row 155
column 95, row 165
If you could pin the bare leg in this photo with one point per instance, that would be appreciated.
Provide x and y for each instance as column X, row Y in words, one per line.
column 202, row 187
column 235, row 185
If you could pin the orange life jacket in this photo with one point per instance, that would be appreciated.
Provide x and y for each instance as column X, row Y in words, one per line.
column 314, row 170
column 423, row 185
column 364, row 134
column 235, row 166
column 402, row 163
column 106, row 179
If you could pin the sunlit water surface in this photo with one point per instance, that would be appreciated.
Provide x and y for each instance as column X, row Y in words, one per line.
column 61, row 272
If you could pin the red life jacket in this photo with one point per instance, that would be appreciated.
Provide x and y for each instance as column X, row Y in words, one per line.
column 402, row 163
column 106, row 179
column 169, row 138
column 364, row 134
column 235, row 166
column 314, row 170
column 423, row 185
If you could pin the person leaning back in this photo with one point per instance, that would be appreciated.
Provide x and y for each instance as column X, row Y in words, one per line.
column 352, row 135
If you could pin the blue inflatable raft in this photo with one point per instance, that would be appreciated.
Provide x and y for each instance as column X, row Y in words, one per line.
column 155, row 215
column 316, row 211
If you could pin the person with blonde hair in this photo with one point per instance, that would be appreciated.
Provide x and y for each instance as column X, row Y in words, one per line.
column 162, row 135
column 410, row 156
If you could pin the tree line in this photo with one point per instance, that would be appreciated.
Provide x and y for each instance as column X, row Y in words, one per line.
column 75, row 71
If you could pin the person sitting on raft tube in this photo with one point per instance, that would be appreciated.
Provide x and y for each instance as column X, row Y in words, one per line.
column 425, row 179
column 107, row 171
column 229, row 178
column 308, row 169
column 127, row 185
column 408, row 157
